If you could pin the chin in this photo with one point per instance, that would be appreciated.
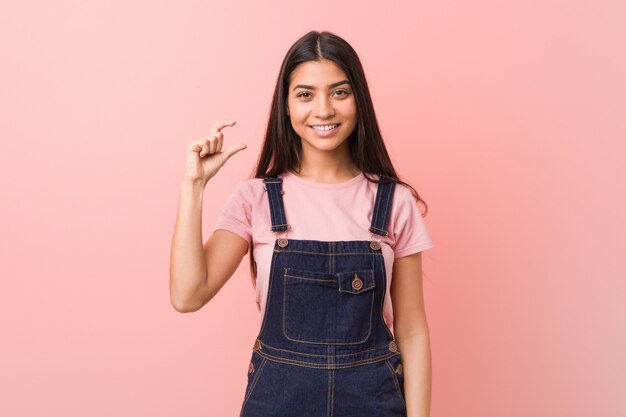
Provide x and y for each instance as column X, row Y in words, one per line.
column 328, row 145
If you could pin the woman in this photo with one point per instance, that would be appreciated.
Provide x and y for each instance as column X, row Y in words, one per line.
column 331, row 227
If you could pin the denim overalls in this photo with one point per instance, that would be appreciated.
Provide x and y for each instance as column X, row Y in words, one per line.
column 323, row 349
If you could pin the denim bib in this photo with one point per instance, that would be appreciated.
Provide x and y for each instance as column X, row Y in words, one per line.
column 323, row 348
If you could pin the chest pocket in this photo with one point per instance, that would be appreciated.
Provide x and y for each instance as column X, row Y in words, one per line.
column 320, row 307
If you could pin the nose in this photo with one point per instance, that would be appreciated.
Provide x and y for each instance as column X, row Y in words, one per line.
column 324, row 108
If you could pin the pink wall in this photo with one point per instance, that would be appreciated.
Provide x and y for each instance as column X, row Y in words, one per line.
column 508, row 117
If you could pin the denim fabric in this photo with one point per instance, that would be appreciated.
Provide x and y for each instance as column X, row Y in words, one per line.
column 323, row 348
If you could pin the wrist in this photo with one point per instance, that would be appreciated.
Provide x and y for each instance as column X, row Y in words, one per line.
column 192, row 182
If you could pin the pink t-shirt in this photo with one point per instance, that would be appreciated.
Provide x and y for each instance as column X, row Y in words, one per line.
column 329, row 212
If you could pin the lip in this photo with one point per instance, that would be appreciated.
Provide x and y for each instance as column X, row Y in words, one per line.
column 324, row 124
column 325, row 133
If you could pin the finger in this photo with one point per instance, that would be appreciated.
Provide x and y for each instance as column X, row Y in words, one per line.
column 205, row 149
column 216, row 143
column 220, row 142
column 218, row 126
column 212, row 144
column 208, row 145
column 196, row 145
column 233, row 149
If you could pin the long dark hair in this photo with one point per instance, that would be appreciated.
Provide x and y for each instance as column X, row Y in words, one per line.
column 282, row 147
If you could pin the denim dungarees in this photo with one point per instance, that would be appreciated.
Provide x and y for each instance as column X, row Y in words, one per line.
column 323, row 349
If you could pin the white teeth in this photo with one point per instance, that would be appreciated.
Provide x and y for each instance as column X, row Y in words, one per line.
column 326, row 127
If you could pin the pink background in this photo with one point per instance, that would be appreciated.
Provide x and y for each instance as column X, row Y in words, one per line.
column 508, row 117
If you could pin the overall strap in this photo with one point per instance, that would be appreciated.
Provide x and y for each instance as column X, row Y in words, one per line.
column 382, row 206
column 274, row 188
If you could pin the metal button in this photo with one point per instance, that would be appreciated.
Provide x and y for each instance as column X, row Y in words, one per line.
column 399, row 369
column 357, row 284
column 250, row 368
column 374, row 245
column 257, row 345
column 282, row 242
column 393, row 347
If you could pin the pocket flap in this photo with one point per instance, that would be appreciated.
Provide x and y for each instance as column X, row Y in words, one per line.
column 356, row 282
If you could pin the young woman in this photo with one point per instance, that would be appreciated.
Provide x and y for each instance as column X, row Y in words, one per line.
column 335, row 248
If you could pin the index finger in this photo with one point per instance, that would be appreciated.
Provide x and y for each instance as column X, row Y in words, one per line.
column 218, row 126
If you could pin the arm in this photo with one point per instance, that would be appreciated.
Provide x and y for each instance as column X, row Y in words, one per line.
column 411, row 333
column 198, row 272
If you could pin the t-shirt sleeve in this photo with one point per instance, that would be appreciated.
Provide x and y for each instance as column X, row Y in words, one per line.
column 236, row 215
column 410, row 230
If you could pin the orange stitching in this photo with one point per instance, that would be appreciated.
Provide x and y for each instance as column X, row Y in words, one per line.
column 310, row 279
column 325, row 366
column 336, row 355
column 330, row 254
column 396, row 383
column 254, row 383
column 376, row 203
column 332, row 393
column 328, row 395
column 369, row 331
column 382, row 314
column 269, row 294
column 388, row 204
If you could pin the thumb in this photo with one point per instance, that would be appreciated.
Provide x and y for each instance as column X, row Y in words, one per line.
column 233, row 149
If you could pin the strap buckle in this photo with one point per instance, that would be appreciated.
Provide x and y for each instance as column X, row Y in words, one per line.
column 283, row 241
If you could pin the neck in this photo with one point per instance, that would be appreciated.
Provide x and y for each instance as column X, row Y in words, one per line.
column 327, row 167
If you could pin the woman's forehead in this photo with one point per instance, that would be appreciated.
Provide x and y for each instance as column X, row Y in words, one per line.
column 318, row 74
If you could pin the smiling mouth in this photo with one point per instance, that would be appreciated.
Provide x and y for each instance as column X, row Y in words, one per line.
column 324, row 128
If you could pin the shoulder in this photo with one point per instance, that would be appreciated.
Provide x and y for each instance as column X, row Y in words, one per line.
column 402, row 199
column 249, row 187
column 402, row 190
column 403, row 194
column 404, row 202
column 245, row 194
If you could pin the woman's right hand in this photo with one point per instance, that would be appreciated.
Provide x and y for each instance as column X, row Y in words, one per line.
column 205, row 156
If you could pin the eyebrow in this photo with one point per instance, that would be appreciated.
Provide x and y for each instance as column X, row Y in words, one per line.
column 310, row 87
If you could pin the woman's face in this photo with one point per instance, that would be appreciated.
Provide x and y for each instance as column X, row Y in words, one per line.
column 320, row 95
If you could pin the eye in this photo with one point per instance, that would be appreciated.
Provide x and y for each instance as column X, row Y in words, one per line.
column 346, row 92
column 301, row 94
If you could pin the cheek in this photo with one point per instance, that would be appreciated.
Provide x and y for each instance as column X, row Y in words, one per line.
column 293, row 109
column 352, row 116
column 349, row 109
column 299, row 115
